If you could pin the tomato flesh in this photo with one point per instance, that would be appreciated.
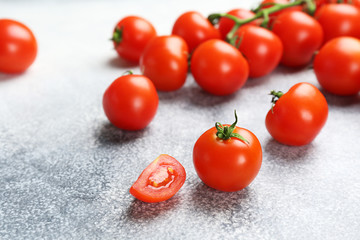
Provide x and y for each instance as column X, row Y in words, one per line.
column 161, row 180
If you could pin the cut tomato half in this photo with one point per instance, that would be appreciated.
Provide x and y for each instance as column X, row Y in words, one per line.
column 159, row 181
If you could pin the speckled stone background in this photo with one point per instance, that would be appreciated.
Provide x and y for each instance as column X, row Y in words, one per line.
column 65, row 171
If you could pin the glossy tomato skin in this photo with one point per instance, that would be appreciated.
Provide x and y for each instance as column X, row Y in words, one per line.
column 130, row 102
column 339, row 20
column 301, row 36
column 18, row 46
column 298, row 116
column 136, row 34
column 195, row 29
column 226, row 24
column 227, row 165
column 261, row 48
column 161, row 180
column 337, row 66
column 165, row 62
column 219, row 68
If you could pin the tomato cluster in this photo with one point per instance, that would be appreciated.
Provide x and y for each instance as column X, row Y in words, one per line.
column 222, row 52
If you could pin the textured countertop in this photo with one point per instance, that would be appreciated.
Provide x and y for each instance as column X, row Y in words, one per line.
column 65, row 171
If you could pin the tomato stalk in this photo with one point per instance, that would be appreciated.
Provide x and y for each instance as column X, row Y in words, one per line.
column 227, row 132
column 260, row 13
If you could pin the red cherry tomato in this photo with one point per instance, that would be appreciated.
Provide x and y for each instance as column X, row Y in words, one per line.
column 227, row 163
column 261, row 48
column 161, row 180
column 339, row 20
column 226, row 24
column 298, row 115
column 130, row 102
column 194, row 29
column 320, row 3
column 219, row 68
column 337, row 66
column 131, row 35
column 301, row 36
column 18, row 47
column 273, row 16
column 165, row 62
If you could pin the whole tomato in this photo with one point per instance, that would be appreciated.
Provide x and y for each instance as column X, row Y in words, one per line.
column 339, row 20
column 261, row 48
column 227, row 158
column 226, row 24
column 131, row 35
column 130, row 102
column 297, row 116
column 219, row 68
column 301, row 36
column 18, row 47
column 337, row 66
column 194, row 29
column 165, row 62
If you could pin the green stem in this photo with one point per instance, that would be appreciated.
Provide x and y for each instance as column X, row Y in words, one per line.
column 227, row 132
column 261, row 13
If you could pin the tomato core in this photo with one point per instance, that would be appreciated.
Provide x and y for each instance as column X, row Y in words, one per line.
column 162, row 177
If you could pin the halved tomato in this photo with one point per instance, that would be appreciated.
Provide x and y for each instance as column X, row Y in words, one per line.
column 161, row 180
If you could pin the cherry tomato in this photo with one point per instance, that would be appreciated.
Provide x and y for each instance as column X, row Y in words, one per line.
column 18, row 47
column 219, row 68
column 161, row 180
column 165, row 62
column 227, row 158
column 339, row 20
column 298, row 115
column 301, row 36
column 320, row 3
column 226, row 24
column 261, row 48
column 337, row 66
column 273, row 16
column 131, row 35
column 194, row 29
column 130, row 102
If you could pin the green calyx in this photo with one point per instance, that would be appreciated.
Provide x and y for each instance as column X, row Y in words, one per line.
column 117, row 35
column 227, row 132
column 275, row 97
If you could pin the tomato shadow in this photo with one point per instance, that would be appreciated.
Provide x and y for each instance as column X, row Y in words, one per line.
column 197, row 96
column 210, row 200
column 139, row 211
column 341, row 101
column 109, row 135
column 285, row 155
column 254, row 82
column 281, row 69
column 7, row 77
column 117, row 62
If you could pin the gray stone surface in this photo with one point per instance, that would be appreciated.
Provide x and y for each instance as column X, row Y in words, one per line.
column 65, row 171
